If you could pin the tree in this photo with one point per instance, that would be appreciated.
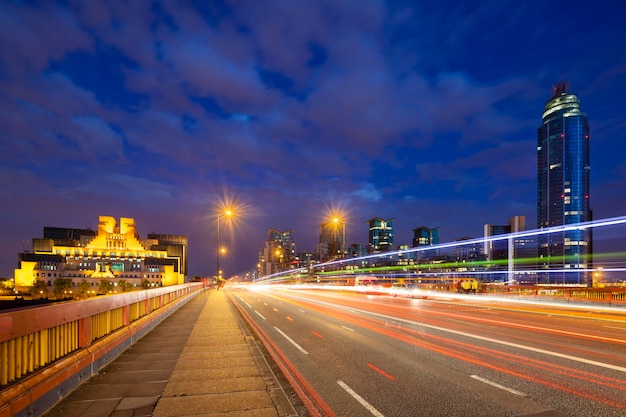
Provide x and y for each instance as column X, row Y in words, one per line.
column 39, row 288
column 105, row 286
column 84, row 287
column 124, row 285
column 62, row 286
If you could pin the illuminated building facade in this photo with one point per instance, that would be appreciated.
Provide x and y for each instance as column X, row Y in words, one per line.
column 563, row 187
column 278, row 254
column 425, row 236
column 380, row 235
column 113, row 252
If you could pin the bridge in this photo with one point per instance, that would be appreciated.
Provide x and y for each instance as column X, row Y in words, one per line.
column 161, row 347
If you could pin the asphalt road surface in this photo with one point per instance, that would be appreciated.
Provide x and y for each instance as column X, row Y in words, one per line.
column 362, row 355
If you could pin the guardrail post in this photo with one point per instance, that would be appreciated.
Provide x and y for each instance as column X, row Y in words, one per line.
column 84, row 332
column 126, row 315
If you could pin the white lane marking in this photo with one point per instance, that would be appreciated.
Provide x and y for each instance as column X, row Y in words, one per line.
column 243, row 301
column 613, row 327
column 360, row 399
column 260, row 315
column 347, row 328
column 486, row 381
column 300, row 348
column 302, row 311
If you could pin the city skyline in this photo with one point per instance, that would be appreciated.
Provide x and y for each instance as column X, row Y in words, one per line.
column 164, row 113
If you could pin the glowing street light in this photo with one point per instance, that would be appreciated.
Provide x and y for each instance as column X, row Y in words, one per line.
column 219, row 250
column 339, row 226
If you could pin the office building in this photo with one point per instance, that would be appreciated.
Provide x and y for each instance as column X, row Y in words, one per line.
column 509, row 258
column 425, row 236
column 563, row 188
column 497, row 250
column 380, row 235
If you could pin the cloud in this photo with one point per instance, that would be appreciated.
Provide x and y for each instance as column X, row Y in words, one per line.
column 368, row 192
column 32, row 36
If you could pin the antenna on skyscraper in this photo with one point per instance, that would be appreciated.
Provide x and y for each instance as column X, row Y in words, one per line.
column 560, row 89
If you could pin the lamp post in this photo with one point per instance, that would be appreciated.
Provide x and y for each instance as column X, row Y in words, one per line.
column 227, row 213
column 340, row 223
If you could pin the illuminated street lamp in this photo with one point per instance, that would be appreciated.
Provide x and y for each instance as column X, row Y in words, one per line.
column 218, row 250
column 339, row 223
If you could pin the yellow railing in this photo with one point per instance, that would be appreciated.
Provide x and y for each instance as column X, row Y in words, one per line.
column 32, row 338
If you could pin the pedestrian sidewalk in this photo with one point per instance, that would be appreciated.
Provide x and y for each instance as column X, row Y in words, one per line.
column 200, row 361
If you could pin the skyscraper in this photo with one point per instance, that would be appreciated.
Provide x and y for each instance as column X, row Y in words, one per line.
column 563, row 187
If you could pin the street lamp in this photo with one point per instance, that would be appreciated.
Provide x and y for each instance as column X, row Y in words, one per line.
column 338, row 222
column 218, row 250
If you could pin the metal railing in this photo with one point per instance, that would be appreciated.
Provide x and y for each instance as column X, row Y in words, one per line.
column 32, row 338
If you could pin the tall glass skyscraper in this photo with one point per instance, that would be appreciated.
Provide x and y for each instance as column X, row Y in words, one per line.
column 563, row 188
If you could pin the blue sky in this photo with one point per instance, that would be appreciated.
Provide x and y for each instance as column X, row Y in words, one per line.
column 425, row 112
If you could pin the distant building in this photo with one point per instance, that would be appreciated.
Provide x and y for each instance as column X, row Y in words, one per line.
column 522, row 257
column 563, row 188
column 380, row 235
column 115, row 251
column 278, row 253
column 332, row 241
column 467, row 251
column 356, row 250
column 499, row 249
column 175, row 245
column 306, row 259
column 424, row 236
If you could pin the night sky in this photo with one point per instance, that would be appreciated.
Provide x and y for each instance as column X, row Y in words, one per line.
column 425, row 112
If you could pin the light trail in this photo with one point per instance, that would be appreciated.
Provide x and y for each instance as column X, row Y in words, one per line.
column 480, row 356
column 502, row 342
column 486, row 361
column 380, row 371
column 527, row 327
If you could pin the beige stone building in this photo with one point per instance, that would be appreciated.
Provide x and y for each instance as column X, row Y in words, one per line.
column 114, row 252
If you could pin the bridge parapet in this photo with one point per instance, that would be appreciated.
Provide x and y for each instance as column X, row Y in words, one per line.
column 62, row 344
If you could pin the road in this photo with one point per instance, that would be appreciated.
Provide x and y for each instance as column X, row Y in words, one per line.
column 361, row 355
